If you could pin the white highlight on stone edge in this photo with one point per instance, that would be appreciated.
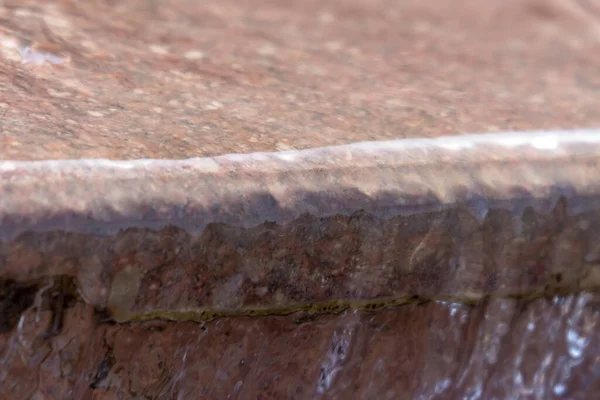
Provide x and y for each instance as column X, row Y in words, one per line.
column 541, row 140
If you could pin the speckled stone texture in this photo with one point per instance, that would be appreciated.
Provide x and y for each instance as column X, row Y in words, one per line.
column 179, row 79
column 87, row 245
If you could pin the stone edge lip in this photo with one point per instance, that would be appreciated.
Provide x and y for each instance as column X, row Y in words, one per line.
column 384, row 178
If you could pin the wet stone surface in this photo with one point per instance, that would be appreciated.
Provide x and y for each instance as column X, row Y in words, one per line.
column 498, row 349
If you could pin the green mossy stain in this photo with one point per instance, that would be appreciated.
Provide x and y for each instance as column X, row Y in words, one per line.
column 338, row 306
column 122, row 300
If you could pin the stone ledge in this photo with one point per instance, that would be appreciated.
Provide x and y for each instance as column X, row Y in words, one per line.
column 363, row 225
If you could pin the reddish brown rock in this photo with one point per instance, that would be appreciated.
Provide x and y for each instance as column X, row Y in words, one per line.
column 477, row 234
column 501, row 348
column 86, row 242
column 322, row 230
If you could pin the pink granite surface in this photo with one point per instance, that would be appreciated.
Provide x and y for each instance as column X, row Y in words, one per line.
column 182, row 78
